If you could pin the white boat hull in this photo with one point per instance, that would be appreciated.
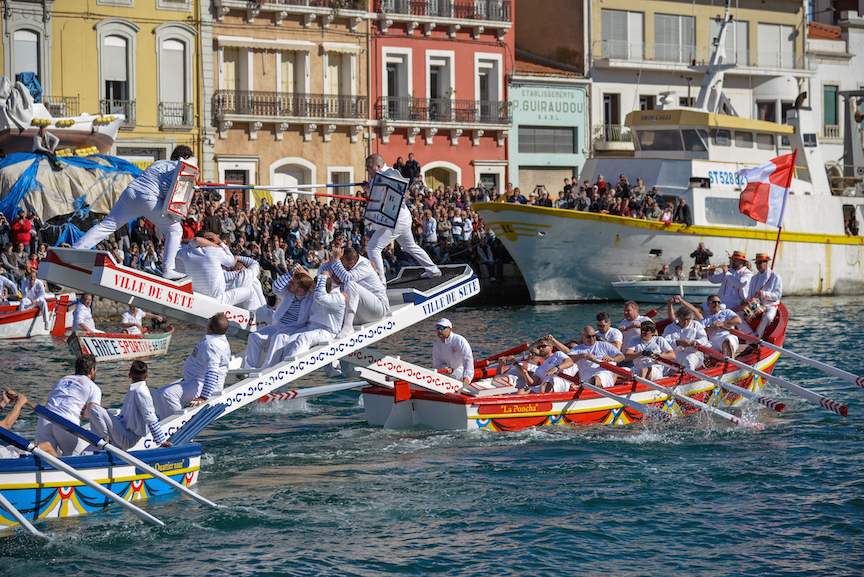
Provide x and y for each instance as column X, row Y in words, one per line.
column 660, row 291
column 120, row 347
column 15, row 324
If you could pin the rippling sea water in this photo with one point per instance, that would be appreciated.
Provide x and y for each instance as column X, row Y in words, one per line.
column 307, row 487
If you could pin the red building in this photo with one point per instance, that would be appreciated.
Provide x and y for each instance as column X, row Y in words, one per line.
column 438, row 81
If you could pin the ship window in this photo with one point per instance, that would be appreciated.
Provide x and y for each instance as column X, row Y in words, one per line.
column 765, row 141
column 743, row 139
column 725, row 211
column 660, row 140
column 809, row 140
column 694, row 140
column 722, row 138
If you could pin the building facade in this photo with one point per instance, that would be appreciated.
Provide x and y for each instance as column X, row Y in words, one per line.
column 131, row 57
column 438, row 80
column 289, row 92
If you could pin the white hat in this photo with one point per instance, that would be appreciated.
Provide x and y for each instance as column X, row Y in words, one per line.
column 444, row 323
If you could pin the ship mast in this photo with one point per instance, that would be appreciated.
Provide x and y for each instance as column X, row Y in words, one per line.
column 711, row 98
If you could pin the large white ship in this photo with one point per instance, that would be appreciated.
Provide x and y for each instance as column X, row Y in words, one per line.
column 694, row 153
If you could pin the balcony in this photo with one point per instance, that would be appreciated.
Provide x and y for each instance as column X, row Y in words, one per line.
column 61, row 105
column 622, row 54
column 831, row 131
column 287, row 105
column 310, row 11
column 117, row 107
column 176, row 116
column 491, row 10
column 443, row 110
column 611, row 138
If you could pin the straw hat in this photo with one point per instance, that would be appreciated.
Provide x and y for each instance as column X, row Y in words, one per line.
column 738, row 254
column 761, row 256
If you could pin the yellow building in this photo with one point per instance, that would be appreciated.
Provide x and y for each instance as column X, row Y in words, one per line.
column 138, row 58
column 290, row 92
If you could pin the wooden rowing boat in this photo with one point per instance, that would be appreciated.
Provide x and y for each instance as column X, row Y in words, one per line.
column 121, row 346
column 15, row 324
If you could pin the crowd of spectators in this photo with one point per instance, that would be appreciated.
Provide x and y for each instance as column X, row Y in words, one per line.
column 21, row 242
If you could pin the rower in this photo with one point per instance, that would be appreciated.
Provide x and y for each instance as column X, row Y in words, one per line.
column 204, row 258
column 82, row 318
column 643, row 349
column 9, row 289
column 136, row 417
column 452, row 354
column 203, row 373
column 17, row 401
column 290, row 315
column 717, row 323
column 33, row 292
column 367, row 295
column 587, row 354
column 632, row 322
column 509, row 367
column 684, row 334
column 545, row 379
column 734, row 281
column 607, row 333
column 71, row 397
column 767, row 286
column 130, row 322
column 384, row 236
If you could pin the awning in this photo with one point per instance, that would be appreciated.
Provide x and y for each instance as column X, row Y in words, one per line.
column 339, row 47
column 261, row 44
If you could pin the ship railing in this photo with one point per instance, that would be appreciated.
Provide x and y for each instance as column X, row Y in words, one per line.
column 698, row 55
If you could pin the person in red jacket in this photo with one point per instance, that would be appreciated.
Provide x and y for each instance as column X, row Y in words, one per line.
column 20, row 230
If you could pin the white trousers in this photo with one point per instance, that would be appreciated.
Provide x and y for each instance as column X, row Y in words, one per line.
column 111, row 427
column 365, row 305
column 284, row 344
column 39, row 303
column 245, row 291
column 767, row 318
column 402, row 234
column 172, row 398
column 62, row 440
column 720, row 337
column 690, row 358
column 130, row 206
column 256, row 343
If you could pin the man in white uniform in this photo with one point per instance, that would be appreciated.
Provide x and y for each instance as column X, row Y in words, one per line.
column 34, row 296
column 205, row 259
column 717, row 323
column 71, row 398
column 136, row 417
column 292, row 313
column 632, row 322
column 82, row 318
column 683, row 335
column 607, row 333
column 545, row 379
column 452, row 353
column 244, row 276
column 144, row 197
column 130, row 322
column 645, row 348
column 767, row 286
column 734, row 281
column 9, row 288
column 367, row 294
column 383, row 236
column 587, row 354
column 203, row 373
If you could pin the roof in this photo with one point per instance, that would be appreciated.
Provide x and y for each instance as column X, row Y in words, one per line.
column 536, row 65
column 819, row 31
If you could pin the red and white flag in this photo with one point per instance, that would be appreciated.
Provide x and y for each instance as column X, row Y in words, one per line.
column 764, row 198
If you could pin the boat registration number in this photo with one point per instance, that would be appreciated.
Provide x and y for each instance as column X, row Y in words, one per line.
column 721, row 177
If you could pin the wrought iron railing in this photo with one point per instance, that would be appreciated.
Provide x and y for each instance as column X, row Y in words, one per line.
column 611, row 133
column 684, row 54
column 343, row 4
column 61, row 105
column 492, row 10
column 261, row 103
column 443, row 110
column 176, row 115
column 124, row 107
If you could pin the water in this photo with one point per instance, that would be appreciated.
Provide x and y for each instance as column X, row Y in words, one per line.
column 307, row 487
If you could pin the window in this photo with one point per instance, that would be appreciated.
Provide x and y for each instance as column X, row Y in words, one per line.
column 440, row 76
column 743, row 139
column 673, row 38
column 117, row 48
column 647, row 102
column 737, row 41
column 660, row 140
column 725, row 211
column 488, row 86
column 26, row 53
column 546, row 139
column 776, row 46
column 622, row 34
column 764, row 141
column 611, row 109
column 829, row 106
column 766, row 111
column 687, row 101
column 397, row 87
column 694, row 140
column 174, row 44
column 722, row 137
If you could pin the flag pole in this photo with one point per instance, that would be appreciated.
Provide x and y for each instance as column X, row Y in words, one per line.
column 785, row 199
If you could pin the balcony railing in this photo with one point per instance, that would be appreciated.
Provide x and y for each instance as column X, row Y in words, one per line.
column 682, row 54
column 61, row 105
column 831, row 131
column 175, row 115
column 286, row 104
column 336, row 4
column 124, row 107
column 493, row 10
column 443, row 110
column 611, row 133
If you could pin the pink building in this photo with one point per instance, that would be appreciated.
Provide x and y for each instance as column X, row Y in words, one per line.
column 438, row 87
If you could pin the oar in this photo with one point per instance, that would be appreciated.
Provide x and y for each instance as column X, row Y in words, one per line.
column 768, row 402
column 839, row 373
column 646, row 410
column 311, row 391
column 811, row 396
column 4, row 502
column 680, row 397
column 94, row 439
column 513, row 351
column 25, row 445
